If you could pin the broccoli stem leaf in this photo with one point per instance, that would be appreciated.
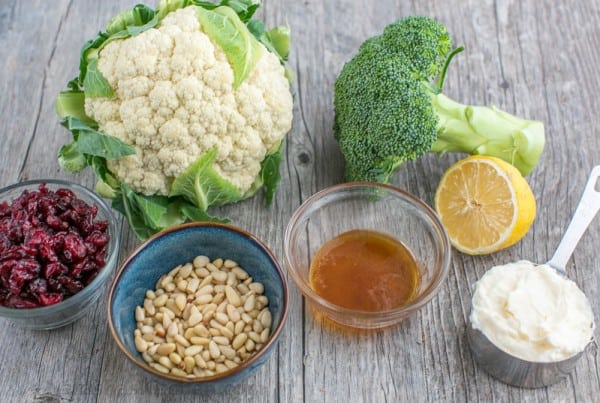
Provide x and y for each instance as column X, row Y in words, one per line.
column 489, row 131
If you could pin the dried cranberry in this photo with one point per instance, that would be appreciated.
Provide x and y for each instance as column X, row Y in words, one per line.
column 74, row 248
column 51, row 246
column 69, row 284
column 15, row 301
column 49, row 298
column 55, row 269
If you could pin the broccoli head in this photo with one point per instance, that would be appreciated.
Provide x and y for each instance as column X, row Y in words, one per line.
column 389, row 110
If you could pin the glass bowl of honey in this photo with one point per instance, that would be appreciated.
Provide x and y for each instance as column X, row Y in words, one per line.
column 366, row 255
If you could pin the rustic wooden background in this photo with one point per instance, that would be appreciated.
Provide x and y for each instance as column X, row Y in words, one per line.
column 535, row 58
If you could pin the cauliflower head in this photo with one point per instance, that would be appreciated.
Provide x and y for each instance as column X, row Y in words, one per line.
column 174, row 100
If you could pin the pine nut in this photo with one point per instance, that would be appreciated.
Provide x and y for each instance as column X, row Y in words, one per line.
column 174, row 272
column 239, row 327
column 200, row 341
column 166, row 348
column 141, row 345
column 207, row 280
column 203, row 318
column 192, row 285
column 186, row 270
column 219, row 276
column 243, row 289
column 221, row 340
column 207, row 289
column 219, row 297
column 165, row 280
column 192, row 350
column 140, row 314
column 240, row 273
column 149, row 307
column 232, row 296
column 200, row 363
column 257, row 288
column 222, row 318
column 202, row 272
column 264, row 335
column 194, row 319
column 189, row 333
column 178, row 372
column 233, row 313
column 200, row 261
column 203, row 299
column 254, row 336
column 249, row 304
column 147, row 358
column 189, row 363
column 165, row 362
column 221, row 368
column 159, row 367
column 160, row 300
column 239, row 340
column 231, row 279
column 266, row 318
column 181, row 340
column 230, row 364
column 175, row 358
column 201, row 330
column 213, row 349
column 225, row 331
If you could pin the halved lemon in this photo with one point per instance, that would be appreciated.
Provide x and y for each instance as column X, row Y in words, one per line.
column 485, row 204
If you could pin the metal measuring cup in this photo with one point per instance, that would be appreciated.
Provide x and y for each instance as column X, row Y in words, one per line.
column 530, row 374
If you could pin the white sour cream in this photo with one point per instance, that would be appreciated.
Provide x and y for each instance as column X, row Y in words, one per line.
column 532, row 312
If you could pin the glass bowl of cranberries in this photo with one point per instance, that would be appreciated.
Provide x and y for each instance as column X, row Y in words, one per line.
column 59, row 244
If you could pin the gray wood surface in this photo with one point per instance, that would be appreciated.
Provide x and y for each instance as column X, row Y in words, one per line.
column 536, row 58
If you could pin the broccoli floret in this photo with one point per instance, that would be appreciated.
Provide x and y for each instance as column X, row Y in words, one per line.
column 388, row 110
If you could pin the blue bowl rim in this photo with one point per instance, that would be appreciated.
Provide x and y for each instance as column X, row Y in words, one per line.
column 103, row 275
column 272, row 338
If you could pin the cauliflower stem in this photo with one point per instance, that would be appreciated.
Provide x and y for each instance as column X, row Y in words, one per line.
column 179, row 108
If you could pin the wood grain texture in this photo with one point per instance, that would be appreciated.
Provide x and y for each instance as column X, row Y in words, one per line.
column 538, row 59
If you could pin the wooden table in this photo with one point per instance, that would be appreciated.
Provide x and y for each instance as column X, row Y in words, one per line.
column 538, row 59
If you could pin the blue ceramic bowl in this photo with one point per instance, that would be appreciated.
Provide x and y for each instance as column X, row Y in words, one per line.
column 179, row 245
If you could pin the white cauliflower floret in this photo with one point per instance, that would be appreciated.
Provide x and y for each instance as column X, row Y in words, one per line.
column 174, row 101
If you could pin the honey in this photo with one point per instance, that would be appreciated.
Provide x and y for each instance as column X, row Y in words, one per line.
column 365, row 270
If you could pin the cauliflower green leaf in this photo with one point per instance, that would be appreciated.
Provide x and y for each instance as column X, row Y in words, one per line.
column 226, row 28
column 202, row 186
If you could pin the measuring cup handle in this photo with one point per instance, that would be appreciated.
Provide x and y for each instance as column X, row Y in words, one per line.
column 586, row 210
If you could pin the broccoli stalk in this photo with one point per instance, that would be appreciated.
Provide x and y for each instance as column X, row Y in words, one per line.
column 389, row 107
column 487, row 130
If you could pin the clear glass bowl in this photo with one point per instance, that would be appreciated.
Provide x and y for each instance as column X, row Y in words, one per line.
column 367, row 206
column 74, row 307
